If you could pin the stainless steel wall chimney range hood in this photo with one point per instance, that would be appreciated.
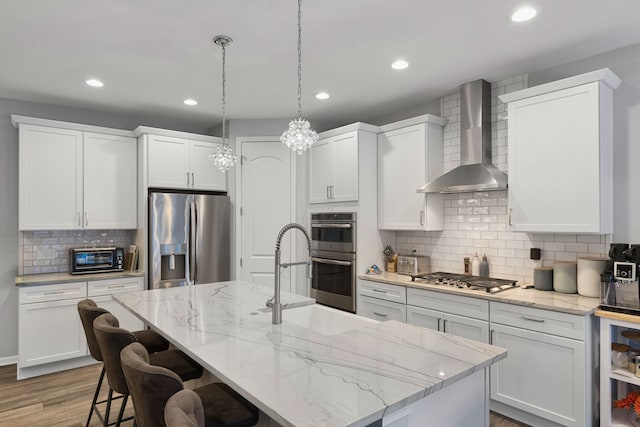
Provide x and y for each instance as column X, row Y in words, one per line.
column 475, row 173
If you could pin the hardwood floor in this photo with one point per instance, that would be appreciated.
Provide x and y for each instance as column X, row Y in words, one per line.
column 63, row 399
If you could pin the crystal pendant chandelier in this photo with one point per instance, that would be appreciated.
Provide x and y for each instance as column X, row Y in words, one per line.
column 299, row 136
column 223, row 158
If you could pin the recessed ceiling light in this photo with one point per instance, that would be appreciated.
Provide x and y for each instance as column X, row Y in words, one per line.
column 400, row 64
column 190, row 102
column 322, row 95
column 94, row 83
column 523, row 14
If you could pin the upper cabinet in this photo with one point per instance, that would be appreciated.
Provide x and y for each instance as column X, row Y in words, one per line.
column 183, row 163
column 333, row 168
column 410, row 153
column 70, row 178
column 560, row 155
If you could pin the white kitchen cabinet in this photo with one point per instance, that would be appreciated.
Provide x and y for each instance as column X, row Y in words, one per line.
column 548, row 371
column 410, row 153
column 379, row 309
column 333, row 169
column 102, row 291
column 75, row 179
column 182, row 163
column 453, row 314
column 49, row 327
column 560, row 155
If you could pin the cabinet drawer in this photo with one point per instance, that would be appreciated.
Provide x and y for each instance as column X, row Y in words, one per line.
column 56, row 292
column 534, row 319
column 382, row 310
column 463, row 306
column 115, row 286
column 383, row 291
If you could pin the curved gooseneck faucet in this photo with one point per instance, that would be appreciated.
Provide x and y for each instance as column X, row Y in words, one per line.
column 274, row 302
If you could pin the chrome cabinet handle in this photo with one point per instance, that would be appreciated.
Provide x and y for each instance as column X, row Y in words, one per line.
column 491, row 336
column 86, row 218
column 510, row 210
column 193, row 179
column 116, row 286
column 421, row 217
column 187, row 179
column 378, row 290
column 54, row 293
column 380, row 314
column 328, row 197
column 331, row 191
column 444, row 325
column 439, row 319
column 531, row 319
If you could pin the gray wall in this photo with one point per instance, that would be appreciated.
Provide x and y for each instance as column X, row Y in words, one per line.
column 9, row 194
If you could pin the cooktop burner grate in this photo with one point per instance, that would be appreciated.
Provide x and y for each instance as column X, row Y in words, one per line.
column 485, row 284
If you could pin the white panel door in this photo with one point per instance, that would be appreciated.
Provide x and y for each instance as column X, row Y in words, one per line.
column 543, row 374
column 344, row 161
column 466, row 327
column 204, row 175
column 265, row 200
column 424, row 317
column 50, row 178
column 168, row 162
column 110, row 182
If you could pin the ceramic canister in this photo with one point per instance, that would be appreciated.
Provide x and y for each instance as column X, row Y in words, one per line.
column 564, row 277
column 589, row 270
column 543, row 278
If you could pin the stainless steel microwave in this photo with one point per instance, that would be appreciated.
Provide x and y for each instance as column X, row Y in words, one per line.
column 96, row 260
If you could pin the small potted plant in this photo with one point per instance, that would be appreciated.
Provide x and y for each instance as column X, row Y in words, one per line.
column 632, row 404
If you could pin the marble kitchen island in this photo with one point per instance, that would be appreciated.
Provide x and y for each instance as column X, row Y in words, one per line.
column 322, row 367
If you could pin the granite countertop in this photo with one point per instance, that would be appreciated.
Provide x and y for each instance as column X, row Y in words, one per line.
column 320, row 367
column 54, row 278
column 546, row 300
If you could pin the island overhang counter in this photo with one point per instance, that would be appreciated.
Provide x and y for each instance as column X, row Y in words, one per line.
column 322, row 367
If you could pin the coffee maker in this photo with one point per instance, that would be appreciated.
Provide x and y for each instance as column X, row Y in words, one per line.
column 619, row 290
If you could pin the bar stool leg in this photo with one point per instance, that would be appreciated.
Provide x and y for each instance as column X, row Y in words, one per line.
column 121, row 413
column 95, row 396
column 106, row 414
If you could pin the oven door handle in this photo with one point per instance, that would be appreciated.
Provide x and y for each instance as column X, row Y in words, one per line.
column 331, row 226
column 330, row 261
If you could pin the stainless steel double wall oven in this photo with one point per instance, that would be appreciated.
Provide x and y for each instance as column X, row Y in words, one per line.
column 333, row 253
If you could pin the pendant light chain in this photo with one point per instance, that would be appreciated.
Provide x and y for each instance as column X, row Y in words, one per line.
column 299, row 59
column 224, row 91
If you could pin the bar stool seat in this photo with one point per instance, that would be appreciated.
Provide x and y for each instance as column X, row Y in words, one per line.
column 152, row 386
column 89, row 311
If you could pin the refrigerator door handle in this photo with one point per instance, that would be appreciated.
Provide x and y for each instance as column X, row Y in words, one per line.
column 193, row 268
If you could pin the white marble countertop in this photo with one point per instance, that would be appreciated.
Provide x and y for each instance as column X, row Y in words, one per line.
column 53, row 278
column 314, row 374
column 547, row 300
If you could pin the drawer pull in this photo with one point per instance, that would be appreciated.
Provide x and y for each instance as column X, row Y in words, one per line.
column 491, row 336
column 532, row 319
column 380, row 314
column 379, row 290
column 116, row 286
column 54, row 293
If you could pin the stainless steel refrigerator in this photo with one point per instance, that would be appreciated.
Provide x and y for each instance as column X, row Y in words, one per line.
column 189, row 239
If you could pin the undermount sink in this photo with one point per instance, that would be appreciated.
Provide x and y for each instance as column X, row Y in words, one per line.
column 324, row 320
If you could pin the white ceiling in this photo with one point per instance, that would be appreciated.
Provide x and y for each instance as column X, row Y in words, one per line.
column 152, row 54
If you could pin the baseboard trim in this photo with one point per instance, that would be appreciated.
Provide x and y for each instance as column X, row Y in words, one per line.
column 10, row 360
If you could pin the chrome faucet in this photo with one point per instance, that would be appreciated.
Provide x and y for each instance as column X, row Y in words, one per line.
column 274, row 302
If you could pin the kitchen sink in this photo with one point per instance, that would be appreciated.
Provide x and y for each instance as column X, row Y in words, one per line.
column 324, row 320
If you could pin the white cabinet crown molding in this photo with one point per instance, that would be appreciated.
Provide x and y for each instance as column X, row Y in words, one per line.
column 141, row 130
column 18, row 120
column 348, row 128
column 604, row 75
column 425, row 118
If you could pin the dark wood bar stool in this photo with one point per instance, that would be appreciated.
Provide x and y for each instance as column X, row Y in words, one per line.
column 112, row 339
column 152, row 386
column 89, row 311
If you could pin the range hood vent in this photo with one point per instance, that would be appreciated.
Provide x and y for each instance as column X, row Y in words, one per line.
column 475, row 173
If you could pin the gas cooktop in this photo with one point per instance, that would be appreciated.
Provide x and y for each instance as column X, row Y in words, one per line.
column 475, row 283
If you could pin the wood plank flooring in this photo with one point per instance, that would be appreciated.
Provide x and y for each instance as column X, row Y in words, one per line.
column 63, row 399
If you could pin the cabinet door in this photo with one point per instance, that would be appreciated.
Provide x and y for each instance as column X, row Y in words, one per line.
column 110, row 182
column 424, row 317
column 344, row 161
column 320, row 171
column 466, row 327
column 168, row 162
column 381, row 310
column 543, row 374
column 402, row 168
column 49, row 178
column 102, row 291
column 555, row 162
column 50, row 332
column 204, row 175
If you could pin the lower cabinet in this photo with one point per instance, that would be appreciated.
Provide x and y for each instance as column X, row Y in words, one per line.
column 546, row 378
column 49, row 328
column 382, row 310
column 102, row 291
